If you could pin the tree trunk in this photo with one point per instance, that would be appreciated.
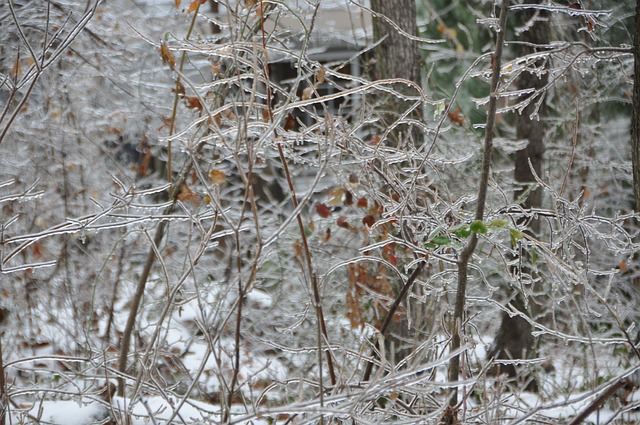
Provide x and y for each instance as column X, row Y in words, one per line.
column 397, row 56
column 514, row 339
column 635, row 116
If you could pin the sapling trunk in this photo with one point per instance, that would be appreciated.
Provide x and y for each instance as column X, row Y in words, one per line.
column 467, row 252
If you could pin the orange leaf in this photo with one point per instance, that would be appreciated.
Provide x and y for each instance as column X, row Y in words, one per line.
column 622, row 266
column 456, row 117
column 320, row 76
column 217, row 177
column 167, row 56
column 195, row 4
column 193, row 102
column 187, row 195
column 178, row 3
column 362, row 202
column 322, row 210
column 143, row 165
column 327, row 235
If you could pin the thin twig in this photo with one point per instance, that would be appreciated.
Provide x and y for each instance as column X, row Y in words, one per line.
column 387, row 320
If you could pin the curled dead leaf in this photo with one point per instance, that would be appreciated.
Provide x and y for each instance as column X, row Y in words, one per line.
column 307, row 93
column 167, row 56
column 192, row 102
column 188, row 195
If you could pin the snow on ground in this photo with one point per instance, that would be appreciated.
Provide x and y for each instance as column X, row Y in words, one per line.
column 145, row 411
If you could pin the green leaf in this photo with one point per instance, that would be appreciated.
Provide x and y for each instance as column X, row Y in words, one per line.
column 534, row 255
column 435, row 232
column 478, row 226
column 440, row 106
column 515, row 235
column 441, row 240
column 461, row 230
column 499, row 223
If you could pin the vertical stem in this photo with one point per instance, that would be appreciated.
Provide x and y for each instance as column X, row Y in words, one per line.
column 176, row 97
column 317, row 299
column 467, row 251
column 4, row 401
column 146, row 271
column 635, row 117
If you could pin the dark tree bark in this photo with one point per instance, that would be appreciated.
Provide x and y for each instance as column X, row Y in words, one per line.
column 514, row 339
column 635, row 116
column 397, row 56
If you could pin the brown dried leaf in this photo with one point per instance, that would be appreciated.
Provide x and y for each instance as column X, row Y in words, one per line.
column 362, row 202
column 290, row 123
column 217, row 177
column 307, row 93
column 179, row 89
column 167, row 56
column 193, row 102
column 322, row 210
column 342, row 222
column 369, row 220
column 187, row 195
column 335, row 196
column 16, row 71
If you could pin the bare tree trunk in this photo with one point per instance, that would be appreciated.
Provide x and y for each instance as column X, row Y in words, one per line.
column 397, row 56
column 635, row 116
column 514, row 339
column 464, row 257
column 4, row 400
